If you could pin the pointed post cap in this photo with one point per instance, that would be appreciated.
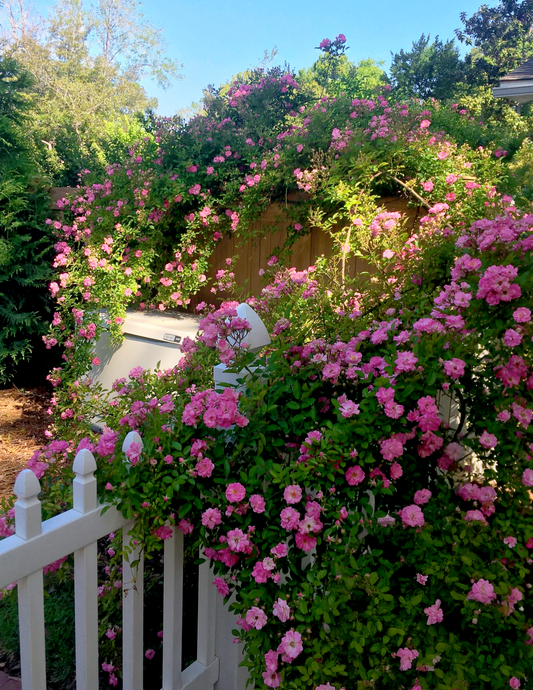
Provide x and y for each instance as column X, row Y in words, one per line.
column 84, row 462
column 132, row 437
column 27, row 485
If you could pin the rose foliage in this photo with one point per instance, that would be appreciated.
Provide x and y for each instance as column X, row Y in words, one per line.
column 365, row 492
column 143, row 235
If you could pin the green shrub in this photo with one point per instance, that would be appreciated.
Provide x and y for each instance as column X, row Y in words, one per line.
column 26, row 244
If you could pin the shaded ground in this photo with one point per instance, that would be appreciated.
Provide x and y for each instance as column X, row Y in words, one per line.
column 22, row 423
column 23, row 420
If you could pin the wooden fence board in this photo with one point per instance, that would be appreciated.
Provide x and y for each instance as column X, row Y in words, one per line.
column 269, row 234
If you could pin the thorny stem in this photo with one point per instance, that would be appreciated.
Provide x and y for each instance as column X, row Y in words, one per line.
column 345, row 250
column 411, row 191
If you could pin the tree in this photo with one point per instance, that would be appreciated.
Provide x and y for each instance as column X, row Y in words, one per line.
column 501, row 38
column 87, row 64
column 127, row 40
column 428, row 70
column 334, row 74
column 25, row 244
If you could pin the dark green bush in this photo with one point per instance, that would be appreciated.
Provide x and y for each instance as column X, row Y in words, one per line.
column 25, row 243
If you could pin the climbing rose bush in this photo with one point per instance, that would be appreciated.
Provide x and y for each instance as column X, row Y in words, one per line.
column 365, row 493
column 143, row 235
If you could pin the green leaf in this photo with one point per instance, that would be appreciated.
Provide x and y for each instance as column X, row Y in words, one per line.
column 296, row 390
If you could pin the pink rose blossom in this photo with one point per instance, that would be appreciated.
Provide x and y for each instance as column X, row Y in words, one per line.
column 512, row 338
column 405, row 361
column 291, row 644
column 475, row 516
column 421, row 579
column 134, row 452
column 454, row 368
column 271, row 679
column 281, row 610
column 354, row 475
column 391, row 448
column 510, row 541
column 488, row 440
column 434, row 613
column 211, row 517
column 256, row 617
column 238, row 541
column 412, row 516
column 204, row 467
column 514, row 683
column 522, row 315
column 257, row 503
column 386, row 521
column 348, row 409
column 222, row 586
column 271, row 660
column 185, row 526
column 280, row 550
column 430, row 443
column 482, row 591
column 422, row 496
column 407, row 656
column 305, row 541
column 396, row 471
column 527, row 477
column 292, row 493
column 289, row 518
column 260, row 573
column 235, row 492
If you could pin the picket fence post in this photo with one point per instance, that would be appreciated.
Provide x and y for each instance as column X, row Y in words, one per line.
column 173, row 610
column 132, row 599
column 30, row 589
column 85, row 577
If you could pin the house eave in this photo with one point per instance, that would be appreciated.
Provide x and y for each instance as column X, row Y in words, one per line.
column 521, row 92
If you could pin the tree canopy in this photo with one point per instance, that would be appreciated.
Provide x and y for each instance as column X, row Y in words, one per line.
column 87, row 63
column 501, row 38
column 428, row 70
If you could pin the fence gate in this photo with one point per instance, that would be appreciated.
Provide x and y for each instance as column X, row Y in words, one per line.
column 36, row 544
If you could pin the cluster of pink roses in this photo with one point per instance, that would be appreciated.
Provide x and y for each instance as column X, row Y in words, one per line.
column 214, row 409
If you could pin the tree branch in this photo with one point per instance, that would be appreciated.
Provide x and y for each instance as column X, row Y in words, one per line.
column 411, row 191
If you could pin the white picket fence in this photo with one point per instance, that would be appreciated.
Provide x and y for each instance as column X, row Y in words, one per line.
column 36, row 544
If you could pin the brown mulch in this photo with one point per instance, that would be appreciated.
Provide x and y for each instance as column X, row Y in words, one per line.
column 23, row 420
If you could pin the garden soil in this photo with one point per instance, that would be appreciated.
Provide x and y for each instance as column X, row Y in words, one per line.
column 23, row 420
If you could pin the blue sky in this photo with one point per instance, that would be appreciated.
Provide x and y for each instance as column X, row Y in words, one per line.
column 215, row 39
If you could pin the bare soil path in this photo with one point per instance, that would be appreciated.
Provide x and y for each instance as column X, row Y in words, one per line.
column 23, row 420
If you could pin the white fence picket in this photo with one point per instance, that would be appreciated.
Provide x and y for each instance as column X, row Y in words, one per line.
column 173, row 611
column 30, row 588
column 86, row 577
column 207, row 594
column 132, row 613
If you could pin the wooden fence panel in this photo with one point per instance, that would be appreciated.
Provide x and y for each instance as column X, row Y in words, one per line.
column 269, row 233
